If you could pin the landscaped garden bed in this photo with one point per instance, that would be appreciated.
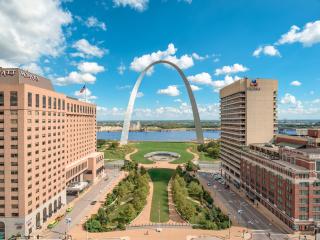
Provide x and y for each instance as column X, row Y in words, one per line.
column 123, row 204
column 195, row 204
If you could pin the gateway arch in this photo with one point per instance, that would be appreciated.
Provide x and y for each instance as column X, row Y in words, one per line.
column 127, row 119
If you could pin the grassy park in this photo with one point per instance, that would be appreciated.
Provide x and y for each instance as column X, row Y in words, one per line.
column 113, row 151
column 159, row 207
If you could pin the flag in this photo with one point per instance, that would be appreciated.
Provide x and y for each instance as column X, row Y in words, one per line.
column 83, row 89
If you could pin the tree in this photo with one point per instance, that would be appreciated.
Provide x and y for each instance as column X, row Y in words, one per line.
column 143, row 171
column 191, row 167
column 128, row 213
column 93, row 225
column 113, row 145
column 102, row 216
column 195, row 189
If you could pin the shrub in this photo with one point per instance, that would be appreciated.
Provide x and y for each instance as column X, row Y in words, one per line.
column 93, row 225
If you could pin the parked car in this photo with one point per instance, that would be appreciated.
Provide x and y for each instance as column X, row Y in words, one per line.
column 209, row 184
column 217, row 177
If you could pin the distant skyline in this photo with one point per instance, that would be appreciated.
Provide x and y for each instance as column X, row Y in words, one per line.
column 105, row 44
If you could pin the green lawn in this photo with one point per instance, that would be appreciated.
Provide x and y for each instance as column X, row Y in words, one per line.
column 159, row 208
column 116, row 153
column 146, row 147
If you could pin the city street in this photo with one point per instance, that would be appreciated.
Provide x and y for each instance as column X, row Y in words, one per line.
column 243, row 213
column 82, row 206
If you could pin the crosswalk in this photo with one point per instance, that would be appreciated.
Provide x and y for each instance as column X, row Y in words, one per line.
column 268, row 235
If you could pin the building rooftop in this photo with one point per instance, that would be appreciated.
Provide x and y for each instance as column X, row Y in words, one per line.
column 291, row 166
column 19, row 76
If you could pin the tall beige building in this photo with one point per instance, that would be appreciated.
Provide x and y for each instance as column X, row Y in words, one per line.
column 248, row 115
column 47, row 140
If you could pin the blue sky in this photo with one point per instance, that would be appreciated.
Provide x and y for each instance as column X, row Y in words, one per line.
column 107, row 43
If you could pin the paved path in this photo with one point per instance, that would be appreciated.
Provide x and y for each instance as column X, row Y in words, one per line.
column 195, row 155
column 82, row 206
column 128, row 155
column 144, row 216
column 173, row 214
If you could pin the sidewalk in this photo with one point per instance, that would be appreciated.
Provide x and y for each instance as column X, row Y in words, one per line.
column 83, row 207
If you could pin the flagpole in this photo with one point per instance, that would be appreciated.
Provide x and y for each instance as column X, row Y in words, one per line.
column 85, row 92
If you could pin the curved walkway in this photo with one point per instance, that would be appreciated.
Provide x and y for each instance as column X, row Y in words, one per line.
column 195, row 155
column 144, row 216
column 128, row 155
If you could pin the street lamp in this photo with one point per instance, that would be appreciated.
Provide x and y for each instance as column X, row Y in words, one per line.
column 68, row 221
column 229, row 214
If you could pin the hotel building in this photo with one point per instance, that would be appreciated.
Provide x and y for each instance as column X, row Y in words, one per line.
column 248, row 115
column 47, row 140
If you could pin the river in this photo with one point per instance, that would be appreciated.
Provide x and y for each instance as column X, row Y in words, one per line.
column 170, row 136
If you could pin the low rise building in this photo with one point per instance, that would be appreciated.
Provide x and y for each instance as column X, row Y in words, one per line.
column 285, row 178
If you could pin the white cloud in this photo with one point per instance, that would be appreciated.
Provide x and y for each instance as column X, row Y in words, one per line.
column 205, row 78
column 291, row 100
column 75, row 78
column 90, row 67
column 94, row 22
column 295, row 83
column 140, row 94
column 235, row 68
column 196, row 56
column 121, row 69
column 139, row 5
column 219, row 84
column 31, row 30
column 194, row 87
column 309, row 35
column 178, row 100
column 33, row 68
column 171, row 90
column 85, row 96
column 182, row 111
column 268, row 50
column 140, row 63
column 215, row 60
column 86, row 50
column 123, row 87
column 292, row 108
column 201, row 78
column 86, row 74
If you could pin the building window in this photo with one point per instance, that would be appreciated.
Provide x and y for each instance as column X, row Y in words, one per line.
column 303, row 217
column 37, row 100
column 44, row 101
column 29, row 99
column 49, row 102
column 54, row 103
column 13, row 99
column 59, row 104
column 1, row 99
